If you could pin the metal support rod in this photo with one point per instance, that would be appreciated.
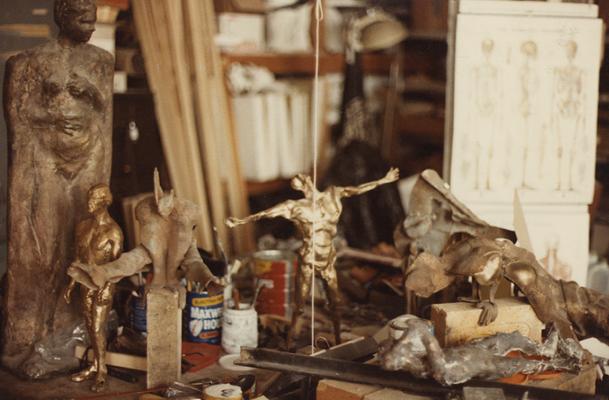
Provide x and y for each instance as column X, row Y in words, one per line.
column 374, row 375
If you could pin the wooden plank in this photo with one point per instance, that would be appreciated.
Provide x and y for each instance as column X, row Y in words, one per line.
column 583, row 382
column 179, row 62
column 304, row 63
column 115, row 359
column 162, row 45
column 27, row 30
column 329, row 389
column 121, row 4
column 205, row 116
column 392, row 394
column 243, row 239
column 457, row 323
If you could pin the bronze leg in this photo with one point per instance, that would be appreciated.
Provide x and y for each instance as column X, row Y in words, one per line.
column 489, row 308
column 410, row 299
column 87, row 297
column 100, row 311
column 331, row 283
column 302, row 290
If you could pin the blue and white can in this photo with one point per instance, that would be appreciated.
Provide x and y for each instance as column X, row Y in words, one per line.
column 202, row 317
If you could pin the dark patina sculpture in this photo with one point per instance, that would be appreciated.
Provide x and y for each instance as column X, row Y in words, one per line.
column 167, row 243
column 575, row 311
column 440, row 253
column 58, row 108
column 417, row 351
column 435, row 217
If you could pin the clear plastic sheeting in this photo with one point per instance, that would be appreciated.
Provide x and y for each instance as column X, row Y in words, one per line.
column 417, row 351
column 55, row 355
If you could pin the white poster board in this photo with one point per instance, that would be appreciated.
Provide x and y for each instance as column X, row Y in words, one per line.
column 525, row 102
column 559, row 236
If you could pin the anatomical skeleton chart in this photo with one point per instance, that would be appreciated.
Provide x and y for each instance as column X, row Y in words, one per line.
column 524, row 106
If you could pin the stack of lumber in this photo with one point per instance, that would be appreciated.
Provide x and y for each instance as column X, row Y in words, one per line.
column 185, row 74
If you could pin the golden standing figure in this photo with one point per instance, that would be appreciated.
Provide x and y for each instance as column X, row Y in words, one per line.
column 317, row 225
column 98, row 240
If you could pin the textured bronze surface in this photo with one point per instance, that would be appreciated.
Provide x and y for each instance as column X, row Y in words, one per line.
column 435, row 217
column 98, row 241
column 58, row 108
column 167, row 224
column 444, row 242
column 317, row 224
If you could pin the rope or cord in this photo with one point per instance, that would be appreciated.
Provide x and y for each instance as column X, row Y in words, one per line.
column 319, row 16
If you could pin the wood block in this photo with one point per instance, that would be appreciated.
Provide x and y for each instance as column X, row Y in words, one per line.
column 392, row 394
column 457, row 323
column 482, row 393
column 164, row 339
column 584, row 382
column 329, row 389
column 115, row 359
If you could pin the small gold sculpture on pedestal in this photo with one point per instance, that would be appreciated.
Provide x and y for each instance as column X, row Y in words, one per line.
column 98, row 240
column 317, row 224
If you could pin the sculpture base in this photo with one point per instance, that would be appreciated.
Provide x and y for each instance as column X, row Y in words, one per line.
column 164, row 341
column 457, row 323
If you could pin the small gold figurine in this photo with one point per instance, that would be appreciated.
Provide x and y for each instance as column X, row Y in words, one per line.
column 318, row 226
column 98, row 240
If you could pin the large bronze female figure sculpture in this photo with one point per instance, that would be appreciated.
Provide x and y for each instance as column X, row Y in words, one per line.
column 58, row 108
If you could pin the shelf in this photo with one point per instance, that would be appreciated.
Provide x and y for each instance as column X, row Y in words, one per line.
column 421, row 129
column 259, row 188
column 439, row 36
column 304, row 63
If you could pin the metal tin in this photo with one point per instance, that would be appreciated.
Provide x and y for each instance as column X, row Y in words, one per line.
column 222, row 391
column 138, row 311
column 202, row 318
column 279, row 267
column 239, row 328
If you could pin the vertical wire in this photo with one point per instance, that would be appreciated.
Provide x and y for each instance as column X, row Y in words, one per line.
column 319, row 15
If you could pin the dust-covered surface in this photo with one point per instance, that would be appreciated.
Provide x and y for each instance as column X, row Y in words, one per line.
column 13, row 388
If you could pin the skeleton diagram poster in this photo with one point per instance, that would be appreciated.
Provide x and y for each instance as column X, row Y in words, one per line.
column 525, row 101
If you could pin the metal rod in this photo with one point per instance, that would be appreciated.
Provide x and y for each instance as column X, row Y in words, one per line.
column 374, row 375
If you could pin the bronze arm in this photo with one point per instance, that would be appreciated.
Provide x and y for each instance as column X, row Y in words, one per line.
column 94, row 277
column 279, row 210
column 392, row 175
column 68, row 292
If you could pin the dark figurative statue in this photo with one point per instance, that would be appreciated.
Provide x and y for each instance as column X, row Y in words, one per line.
column 58, row 108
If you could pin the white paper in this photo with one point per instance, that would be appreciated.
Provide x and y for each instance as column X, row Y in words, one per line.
column 558, row 235
column 251, row 130
column 525, row 107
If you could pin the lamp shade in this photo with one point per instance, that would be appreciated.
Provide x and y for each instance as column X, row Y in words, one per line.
column 379, row 30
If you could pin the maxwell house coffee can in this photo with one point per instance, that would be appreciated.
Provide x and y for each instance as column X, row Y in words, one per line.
column 278, row 268
column 202, row 317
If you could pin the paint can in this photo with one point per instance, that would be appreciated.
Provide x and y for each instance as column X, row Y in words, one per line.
column 239, row 328
column 138, row 310
column 279, row 269
column 222, row 391
column 202, row 317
